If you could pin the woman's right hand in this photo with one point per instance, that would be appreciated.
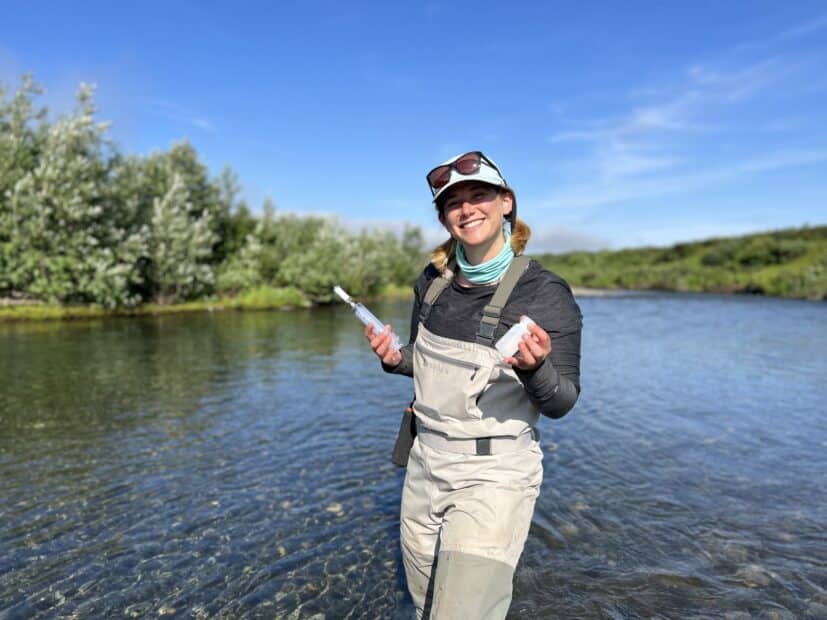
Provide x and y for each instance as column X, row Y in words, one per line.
column 381, row 345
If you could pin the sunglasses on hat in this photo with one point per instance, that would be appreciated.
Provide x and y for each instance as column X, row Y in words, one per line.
column 466, row 165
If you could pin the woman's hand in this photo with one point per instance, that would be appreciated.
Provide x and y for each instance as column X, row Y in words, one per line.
column 533, row 349
column 381, row 345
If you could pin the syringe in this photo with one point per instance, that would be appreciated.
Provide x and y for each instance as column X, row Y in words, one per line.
column 366, row 316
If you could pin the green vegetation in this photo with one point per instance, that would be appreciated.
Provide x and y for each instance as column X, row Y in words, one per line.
column 86, row 230
column 261, row 298
column 784, row 263
column 267, row 297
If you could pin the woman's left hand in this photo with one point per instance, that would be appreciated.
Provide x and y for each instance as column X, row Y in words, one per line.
column 533, row 349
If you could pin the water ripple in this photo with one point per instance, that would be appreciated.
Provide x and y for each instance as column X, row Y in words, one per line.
column 237, row 465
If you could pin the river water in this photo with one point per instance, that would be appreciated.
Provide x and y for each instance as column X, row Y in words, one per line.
column 238, row 465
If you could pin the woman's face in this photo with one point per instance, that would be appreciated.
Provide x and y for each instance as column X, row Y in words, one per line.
column 473, row 213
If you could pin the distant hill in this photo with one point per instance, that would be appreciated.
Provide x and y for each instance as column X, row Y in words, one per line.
column 783, row 263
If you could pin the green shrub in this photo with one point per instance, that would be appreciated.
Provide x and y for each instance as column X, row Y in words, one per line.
column 266, row 297
column 720, row 253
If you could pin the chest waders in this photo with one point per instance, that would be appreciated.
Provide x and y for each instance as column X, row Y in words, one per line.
column 474, row 469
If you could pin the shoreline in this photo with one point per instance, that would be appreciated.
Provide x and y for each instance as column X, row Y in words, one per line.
column 25, row 313
column 584, row 291
column 17, row 310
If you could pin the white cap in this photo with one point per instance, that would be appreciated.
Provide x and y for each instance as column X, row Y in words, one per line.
column 486, row 174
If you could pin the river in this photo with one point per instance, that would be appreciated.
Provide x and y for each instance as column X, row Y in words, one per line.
column 238, row 465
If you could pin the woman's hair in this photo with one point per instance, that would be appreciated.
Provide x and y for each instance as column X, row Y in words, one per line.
column 520, row 234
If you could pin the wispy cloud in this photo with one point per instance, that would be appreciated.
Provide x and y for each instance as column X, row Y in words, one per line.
column 178, row 113
column 801, row 30
column 734, row 84
column 559, row 239
column 579, row 195
column 660, row 144
column 677, row 111
column 646, row 139
column 618, row 159
column 690, row 231
column 804, row 29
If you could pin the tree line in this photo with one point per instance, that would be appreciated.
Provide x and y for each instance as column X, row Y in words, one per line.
column 782, row 263
column 81, row 222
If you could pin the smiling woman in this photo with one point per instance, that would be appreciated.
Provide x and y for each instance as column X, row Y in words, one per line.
column 474, row 214
column 475, row 466
column 476, row 195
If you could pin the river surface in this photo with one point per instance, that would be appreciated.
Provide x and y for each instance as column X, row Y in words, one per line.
column 238, row 465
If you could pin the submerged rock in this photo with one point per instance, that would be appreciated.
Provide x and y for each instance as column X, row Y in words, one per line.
column 753, row 576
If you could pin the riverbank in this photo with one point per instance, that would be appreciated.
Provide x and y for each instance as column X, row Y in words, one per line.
column 263, row 298
column 789, row 263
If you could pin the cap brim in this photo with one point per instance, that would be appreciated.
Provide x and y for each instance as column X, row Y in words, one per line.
column 486, row 174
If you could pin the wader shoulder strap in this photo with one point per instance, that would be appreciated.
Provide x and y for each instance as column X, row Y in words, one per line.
column 435, row 289
column 407, row 428
column 491, row 313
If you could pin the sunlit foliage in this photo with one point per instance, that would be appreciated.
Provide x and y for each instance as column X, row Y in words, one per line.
column 785, row 263
column 81, row 222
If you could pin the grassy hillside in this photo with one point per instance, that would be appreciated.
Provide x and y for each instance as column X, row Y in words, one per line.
column 784, row 263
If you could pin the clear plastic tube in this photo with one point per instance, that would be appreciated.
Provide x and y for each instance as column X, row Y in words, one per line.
column 366, row 316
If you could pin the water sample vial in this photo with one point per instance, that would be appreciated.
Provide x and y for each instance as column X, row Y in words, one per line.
column 366, row 316
column 508, row 345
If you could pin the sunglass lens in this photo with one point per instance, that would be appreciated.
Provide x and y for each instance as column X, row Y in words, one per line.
column 468, row 164
column 438, row 177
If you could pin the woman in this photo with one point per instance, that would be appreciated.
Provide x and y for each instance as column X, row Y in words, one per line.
column 475, row 467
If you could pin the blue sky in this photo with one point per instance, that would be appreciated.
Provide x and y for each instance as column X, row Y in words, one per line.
column 618, row 124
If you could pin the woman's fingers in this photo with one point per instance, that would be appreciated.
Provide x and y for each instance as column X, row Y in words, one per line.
column 392, row 358
column 372, row 335
column 385, row 351
column 541, row 338
column 382, row 344
column 379, row 339
column 527, row 357
column 530, row 342
column 533, row 348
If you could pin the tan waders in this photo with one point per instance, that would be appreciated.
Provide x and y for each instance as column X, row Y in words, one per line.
column 474, row 472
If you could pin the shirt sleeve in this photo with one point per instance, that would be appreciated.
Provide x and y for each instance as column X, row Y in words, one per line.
column 554, row 386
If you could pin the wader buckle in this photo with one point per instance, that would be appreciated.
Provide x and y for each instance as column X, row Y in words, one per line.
column 484, row 446
column 487, row 330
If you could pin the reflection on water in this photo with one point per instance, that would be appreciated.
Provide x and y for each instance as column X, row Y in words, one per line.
column 237, row 464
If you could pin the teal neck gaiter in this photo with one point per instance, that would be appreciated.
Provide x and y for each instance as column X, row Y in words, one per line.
column 491, row 270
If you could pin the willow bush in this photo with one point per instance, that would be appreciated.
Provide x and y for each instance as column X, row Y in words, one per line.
column 83, row 223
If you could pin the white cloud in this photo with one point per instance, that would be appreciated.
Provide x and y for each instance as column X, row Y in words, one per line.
column 178, row 113
column 690, row 231
column 805, row 28
column 731, row 85
column 591, row 195
column 656, row 146
column 560, row 239
column 618, row 159
column 798, row 31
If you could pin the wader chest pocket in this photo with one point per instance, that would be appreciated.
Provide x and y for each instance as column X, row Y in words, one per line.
column 447, row 386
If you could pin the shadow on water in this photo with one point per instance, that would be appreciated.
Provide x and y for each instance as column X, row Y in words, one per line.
column 237, row 465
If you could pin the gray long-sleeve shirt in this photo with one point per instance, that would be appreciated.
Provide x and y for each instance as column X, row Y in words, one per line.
column 540, row 294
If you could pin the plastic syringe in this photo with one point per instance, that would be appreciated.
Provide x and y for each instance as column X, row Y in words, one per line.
column 366, row 316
